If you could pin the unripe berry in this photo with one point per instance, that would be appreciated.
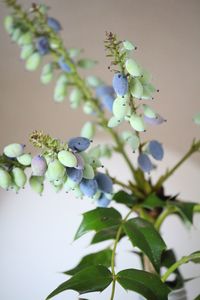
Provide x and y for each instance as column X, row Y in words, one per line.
column 14, row 150
column 55, row 170
column 67, row 158
column 36, row 183
column 88, row 172
column 133, row 68
column 5, row 179
column 38, row 165
column 19, row 177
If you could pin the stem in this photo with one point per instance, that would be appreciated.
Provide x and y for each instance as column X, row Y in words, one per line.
column 114, row 253
column 195, row 147
column 177, row 264
column 168, row 211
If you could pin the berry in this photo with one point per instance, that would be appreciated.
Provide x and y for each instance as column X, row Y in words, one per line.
column 75, row 175
column 154, row 121
column 25, row 159
column 5, row 179
column 42, row 45
column 104, row 183
column 36, row 183
column 55, row 170
column 19, row 177
column 79, row 144
column 120, row 84
column 67, row 158
column 88, row 130
column 80, row 161
column 156, row 150
column 88, row 187
column 38, row 165
column 103, row 201
column 33, row 61
column 63, row 65
column 145, row 163
column 120, row 107
column 136, row 88
column 104, row 90
column 54, row 24
column 88, row 172
column 14, row 150
column 133, row 68
column 137, row 122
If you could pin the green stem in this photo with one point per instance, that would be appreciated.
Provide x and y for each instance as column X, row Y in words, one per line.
column 195, row 147
column 119, row 231
column 177, row 264
column 168, row 211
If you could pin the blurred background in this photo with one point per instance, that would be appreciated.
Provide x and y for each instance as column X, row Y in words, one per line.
column 36, row 232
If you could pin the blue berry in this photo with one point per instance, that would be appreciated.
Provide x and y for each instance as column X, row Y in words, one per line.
column 145, row 163
column 107, row 102
column 156, row 150
column 120, row 84
column 54, row 24
column 103, row 201
column 42, row 45
column 79, row 144
column 104, row 183
column 63, row 65
column 88, row 187
column 103, row 90
column 75, row 175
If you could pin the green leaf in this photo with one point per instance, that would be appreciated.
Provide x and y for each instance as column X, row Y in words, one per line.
column 91, row 279
column 186, row 209
column 144, row 236
column 168, row 259
column 86, row 63
column 197, row 298
column 146, row 284
column 196, row 260
column 153, row 201
column 105, row 234
column 125, row 198
column 98, row 219
column 98, row 258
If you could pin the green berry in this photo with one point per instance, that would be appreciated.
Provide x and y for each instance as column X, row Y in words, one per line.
column 8, row 24
column 5, row 179
column 67, row 159
column 88, row 130
column 36, row 183
column 55, row 170
column 133, row 68
column 24, row 159
column 137, row 122
column 33, row 61
column 47, row 73
column 19, row 177
column 26, row 51
column 88, row 172
column 14, row 150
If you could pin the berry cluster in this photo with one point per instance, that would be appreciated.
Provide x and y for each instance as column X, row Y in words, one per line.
column 65, row 165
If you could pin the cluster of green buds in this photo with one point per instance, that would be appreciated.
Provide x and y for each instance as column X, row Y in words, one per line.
column 66, row 166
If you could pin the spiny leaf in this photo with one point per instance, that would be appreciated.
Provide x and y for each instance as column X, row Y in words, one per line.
column 98, row 258
column 146, row 284
column 125, row 198
column 144, row 236
column 98, row 219
column 91, row 279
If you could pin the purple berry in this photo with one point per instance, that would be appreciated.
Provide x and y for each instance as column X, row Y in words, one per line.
column 38, row 165
column 104, row 183
column 154, row 121
column 75, row 175
column 88, row 187
column 103, row 201
column 156, row 150
column 145, row 163
column 54, row 24
column 79, row 144
column 63, row 65
column 80, row 161
column 103, row 90
column 42, row 45
column 120, row 84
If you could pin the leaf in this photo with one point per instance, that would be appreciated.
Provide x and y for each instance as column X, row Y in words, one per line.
column 146, row 284
column 98, row 258
column 125, row 198
column 144, row 236
column 186, row 209
column 197, row 298
column 86, row 63
column 91, row 279
column 98, row 219
column 168, row 259
column 105, row 234
column 196, row 260
column 153, row 201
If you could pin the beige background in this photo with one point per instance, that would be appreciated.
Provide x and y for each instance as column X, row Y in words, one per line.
column 33, row 231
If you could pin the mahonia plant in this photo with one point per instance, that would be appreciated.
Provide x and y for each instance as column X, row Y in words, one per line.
column 74, row 165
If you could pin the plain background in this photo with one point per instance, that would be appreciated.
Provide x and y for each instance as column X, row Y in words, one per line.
column 36, row 233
